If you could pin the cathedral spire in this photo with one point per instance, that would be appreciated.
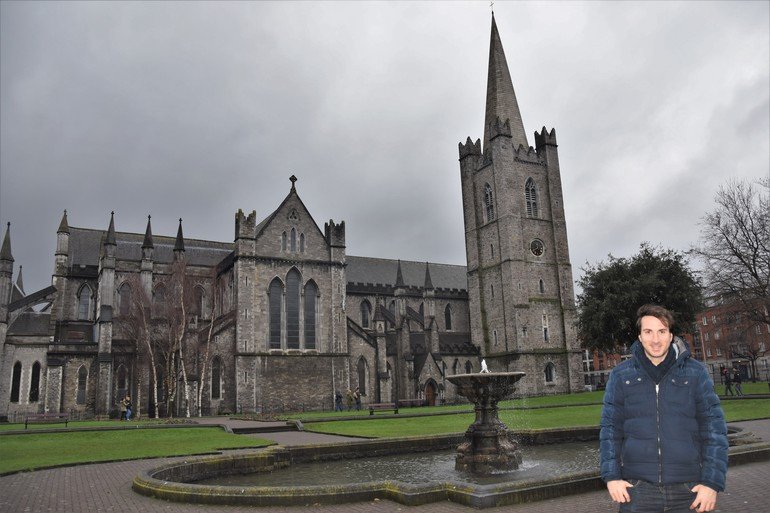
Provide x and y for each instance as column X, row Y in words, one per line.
column 399, row 276
column 428, row 281
column 111, row 231
column 179, row 245
column 20, row 282
column 5, row 251
column 501, row 98
column 148, row 235
column 64, row 226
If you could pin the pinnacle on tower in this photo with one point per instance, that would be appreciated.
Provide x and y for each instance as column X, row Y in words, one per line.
column 179, row 245
column 399, row 276
column 428, row 281
column 111, row 231
column 148, row 235
column 5, row 251
column 20, row 282
column 501, row 98
column 64, row 226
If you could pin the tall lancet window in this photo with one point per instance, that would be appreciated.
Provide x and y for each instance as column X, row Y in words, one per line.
column 448, row 317
column 293, row 240
column 84, row 303
column 311, row 295
column 488, row 206
column 292, row 309
column 124, row 299
column 530, row 194
column 275, row 300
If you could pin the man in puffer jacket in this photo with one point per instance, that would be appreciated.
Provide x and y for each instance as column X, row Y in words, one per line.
column 663, row 434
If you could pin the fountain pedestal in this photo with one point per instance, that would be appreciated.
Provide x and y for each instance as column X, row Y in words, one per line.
column 487, row 449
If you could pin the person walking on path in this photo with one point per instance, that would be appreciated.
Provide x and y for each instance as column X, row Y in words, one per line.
column 337, row 401
column 738, row 380
column 728, row 382
column 349, row 399
column 357, row 399
column 126, row 403
column 122, row 405
column 663, row 438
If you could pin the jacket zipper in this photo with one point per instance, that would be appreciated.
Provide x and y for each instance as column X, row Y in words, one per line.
column 657, row 422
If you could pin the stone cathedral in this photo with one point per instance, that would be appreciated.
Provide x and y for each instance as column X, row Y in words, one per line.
column 282, row 317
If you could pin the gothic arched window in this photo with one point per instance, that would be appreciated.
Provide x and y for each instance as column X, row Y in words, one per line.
column 82, row 380
column 16, row 382
column 311, row 295
column 293, row 280
column 361, row 371
column 530, row 194
column 124, row 299
column 549, row 372
column 468, row 367
column 283, row 241
column 85, row 298
column 216, row 378
column 422, row 312
column 448, row 317
column 489, row 208
column 366, row 312
column 301, row 242
column 293, row 240
column 275, row 299
column 542, row 287
column 456, row 367
column 199, row 302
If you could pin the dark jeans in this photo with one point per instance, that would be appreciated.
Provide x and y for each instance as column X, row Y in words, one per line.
column 653, row 498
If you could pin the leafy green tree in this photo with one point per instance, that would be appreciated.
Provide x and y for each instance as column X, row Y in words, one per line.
column 613, row 291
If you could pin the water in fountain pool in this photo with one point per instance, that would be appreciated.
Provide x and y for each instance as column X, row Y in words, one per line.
column 540, row 462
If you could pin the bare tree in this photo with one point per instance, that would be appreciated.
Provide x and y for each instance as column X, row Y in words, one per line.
column 209, row 331
column 735, row 248
column 739, row 338
column 138, row 327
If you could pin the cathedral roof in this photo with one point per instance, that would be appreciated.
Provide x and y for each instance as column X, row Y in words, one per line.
column 383, row 271
column 84, row 248
column 501, row 98
column 30, row 323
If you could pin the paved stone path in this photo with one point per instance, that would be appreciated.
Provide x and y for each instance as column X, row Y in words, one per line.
column 107, row 487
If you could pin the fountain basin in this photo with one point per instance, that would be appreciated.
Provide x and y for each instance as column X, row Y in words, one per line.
column 178, row 481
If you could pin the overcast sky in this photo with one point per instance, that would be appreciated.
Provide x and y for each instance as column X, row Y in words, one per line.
column 196, row 110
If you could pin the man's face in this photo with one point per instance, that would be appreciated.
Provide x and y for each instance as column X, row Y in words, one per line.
column 655, row 338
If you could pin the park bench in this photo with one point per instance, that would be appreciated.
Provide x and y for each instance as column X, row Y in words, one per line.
column 411, row 402
column 382, row 406
column 46, row 418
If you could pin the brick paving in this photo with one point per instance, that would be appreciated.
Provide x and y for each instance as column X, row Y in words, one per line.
column 107, row 487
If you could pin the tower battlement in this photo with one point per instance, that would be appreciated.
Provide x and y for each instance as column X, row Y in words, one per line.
column 499, row 127
column 469, row 148
column 245, row 227
column 335, row 233
column 545, row 138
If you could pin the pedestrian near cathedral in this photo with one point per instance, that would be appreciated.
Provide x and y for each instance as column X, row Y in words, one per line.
column 663, row 438
column 337, row 401
column 738, row 380
column 122, row 406
column 126, row 402
column 728, row 382
column 357, row 398
column 349, row 400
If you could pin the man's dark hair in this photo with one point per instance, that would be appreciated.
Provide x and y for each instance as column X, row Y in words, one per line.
column 659, row 312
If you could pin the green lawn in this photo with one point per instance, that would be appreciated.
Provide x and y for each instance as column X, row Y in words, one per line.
column 83, row 424
column 536, row 418
column 28, row 452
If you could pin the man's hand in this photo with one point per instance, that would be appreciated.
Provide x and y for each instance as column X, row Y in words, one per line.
column 619, row 493
column 706, row 499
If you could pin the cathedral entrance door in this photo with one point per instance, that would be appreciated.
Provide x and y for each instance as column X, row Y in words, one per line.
column 430, row 393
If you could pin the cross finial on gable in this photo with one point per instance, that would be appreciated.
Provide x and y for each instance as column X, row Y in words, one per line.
column 293, row 179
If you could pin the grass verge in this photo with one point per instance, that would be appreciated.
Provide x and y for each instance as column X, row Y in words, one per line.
column 42, row 450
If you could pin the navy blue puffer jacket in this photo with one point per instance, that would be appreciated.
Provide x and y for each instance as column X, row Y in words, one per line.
column 669, row 433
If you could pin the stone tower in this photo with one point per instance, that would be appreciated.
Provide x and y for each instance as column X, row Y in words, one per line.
column 521, row 298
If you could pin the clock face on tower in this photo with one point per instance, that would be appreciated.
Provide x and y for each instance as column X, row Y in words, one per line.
column 536, row 247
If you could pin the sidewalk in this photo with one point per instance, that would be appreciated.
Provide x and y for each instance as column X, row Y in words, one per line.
column 107, row 487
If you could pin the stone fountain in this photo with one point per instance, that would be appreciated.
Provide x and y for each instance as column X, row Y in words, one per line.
column 487, row 448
